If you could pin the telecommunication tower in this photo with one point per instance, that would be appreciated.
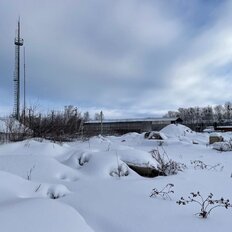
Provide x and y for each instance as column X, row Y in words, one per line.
column 18, row 43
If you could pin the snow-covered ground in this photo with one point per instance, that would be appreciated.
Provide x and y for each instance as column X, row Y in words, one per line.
column 74, row 186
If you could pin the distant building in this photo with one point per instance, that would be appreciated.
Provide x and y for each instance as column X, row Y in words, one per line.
column 122, row 126
column 223, row 128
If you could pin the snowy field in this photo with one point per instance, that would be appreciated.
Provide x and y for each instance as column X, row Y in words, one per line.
column 74, row 187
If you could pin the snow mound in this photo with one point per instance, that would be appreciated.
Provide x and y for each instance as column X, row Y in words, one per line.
column 78, row 159
column 222, row 146
column 34, row 147
column 131, row 135
column 38, row 215
column 136, row 157
column 176, row 130
column 14, row 187
column 104, row 164
column 37, row 168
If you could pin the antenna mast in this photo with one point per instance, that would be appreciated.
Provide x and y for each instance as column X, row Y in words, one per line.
column 18, row 43
column 24, row 84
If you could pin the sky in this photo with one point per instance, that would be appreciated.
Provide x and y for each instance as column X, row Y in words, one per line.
column 128, row 58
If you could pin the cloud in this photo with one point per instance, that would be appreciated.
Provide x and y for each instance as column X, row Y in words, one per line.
column 202, row 74
column 127, row 57
column 109, row 56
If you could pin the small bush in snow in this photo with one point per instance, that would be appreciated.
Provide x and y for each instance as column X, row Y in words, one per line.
column 54, row 195
column 165, row 165
column 164, row 192
column 198, row 164
column 57, row 192
column 206, row 205
column 121, row 170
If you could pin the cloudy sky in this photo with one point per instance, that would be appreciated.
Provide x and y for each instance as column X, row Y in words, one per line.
column 129, row 58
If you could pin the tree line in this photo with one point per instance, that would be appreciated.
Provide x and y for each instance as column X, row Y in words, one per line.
column 62, row 125
column 220, row 114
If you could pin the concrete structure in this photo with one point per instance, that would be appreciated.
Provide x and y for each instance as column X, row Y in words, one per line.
column 215, row 137
column 122, row 126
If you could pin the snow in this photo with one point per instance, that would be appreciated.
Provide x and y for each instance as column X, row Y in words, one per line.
column 46, row 186
column 41, row 215
column 175, row 130
column 222, row 146
column 11, row 124
column 155, row 135
column 22, row 208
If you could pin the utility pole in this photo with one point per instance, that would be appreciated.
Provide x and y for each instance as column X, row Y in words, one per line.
column 101, row 118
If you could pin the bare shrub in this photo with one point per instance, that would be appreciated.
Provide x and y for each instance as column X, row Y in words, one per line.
column 56, row 125
column 165, row 165
column 55, row 195
column 198, row 164
column 164, row 192
column 121, row 170
column 206, row 205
